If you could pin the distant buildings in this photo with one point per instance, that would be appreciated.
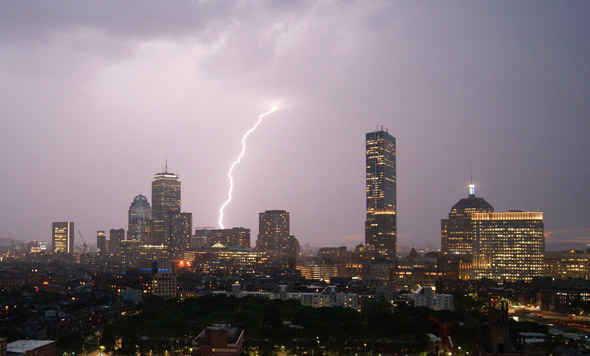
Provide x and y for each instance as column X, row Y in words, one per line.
column 274, row 237
column 381, row 186
column 165, row 201
column 327, row 297
column 503, row 246
column 567, row 264
column 62, row 237
column 140, row 220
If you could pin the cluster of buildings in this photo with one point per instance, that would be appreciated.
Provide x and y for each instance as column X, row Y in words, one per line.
column 477, row 242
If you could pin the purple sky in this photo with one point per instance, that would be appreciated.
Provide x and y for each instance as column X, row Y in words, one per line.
column 94, row 95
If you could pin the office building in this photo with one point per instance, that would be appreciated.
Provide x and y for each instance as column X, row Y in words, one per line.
column 274, row 237
column 567, row 264
column 509, row 247
column 101, row 242
column 181, row 226
column 140, row 220
column 62, row 237
column 502, row 246
column 458, row 231
column 159, row 279
column 115, row 238
column 381, row 188
column 165, row 201
column 236, row 236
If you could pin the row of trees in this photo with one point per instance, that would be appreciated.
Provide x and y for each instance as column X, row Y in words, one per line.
column 269, row 324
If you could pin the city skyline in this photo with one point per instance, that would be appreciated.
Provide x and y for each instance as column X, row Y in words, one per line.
column 94, row 102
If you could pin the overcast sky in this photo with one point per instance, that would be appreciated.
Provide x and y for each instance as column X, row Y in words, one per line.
column 95, row 94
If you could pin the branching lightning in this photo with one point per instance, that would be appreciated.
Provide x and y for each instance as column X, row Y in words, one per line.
column 237, row 161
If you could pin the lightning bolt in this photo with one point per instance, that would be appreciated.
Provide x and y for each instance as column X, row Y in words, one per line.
column 237, row 161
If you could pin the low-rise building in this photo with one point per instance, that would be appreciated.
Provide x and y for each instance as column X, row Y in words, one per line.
column 219, row 340
column 31, row 348
column 424, row 297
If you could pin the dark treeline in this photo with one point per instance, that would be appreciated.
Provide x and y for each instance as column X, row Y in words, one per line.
column 287, row 325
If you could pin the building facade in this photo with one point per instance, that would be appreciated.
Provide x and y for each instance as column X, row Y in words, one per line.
column 62, row 237
column 510, row 246
column 140, row 220
column 567, row 264
column 160, row 279
column 458, row 231
column 381, row 189
column 116, row 236
column 181, row 226
column 274, row 238
column 101, row 242
column 234, row 237
column 165, row 201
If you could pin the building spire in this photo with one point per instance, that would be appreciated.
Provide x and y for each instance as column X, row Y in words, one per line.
column 471, row 185
column 166, row 170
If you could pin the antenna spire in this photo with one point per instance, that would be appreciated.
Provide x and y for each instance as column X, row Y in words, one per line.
column 471, row 185
column 166, row 170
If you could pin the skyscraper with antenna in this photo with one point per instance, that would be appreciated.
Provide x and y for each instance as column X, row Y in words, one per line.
column 165, row 202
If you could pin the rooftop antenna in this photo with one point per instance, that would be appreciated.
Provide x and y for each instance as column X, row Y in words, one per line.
column 166, row 171
column 471, row 185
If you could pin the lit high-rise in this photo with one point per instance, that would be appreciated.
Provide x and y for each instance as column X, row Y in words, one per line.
column 274, row 237
column 181, row 226
column 510, row 246
column 165, row 201
column 62, row 237
column 458, row 231
column 140, row 220
column 381, row 187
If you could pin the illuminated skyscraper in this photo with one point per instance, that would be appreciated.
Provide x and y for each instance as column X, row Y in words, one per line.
column 510, row 246
column 165, row 201
column 140, row 220
column 458, row 231
column 62, row 237
column 503, row 246
column 274, row 238
column 381, row 223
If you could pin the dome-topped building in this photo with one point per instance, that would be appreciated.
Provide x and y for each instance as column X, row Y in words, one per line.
column 457, row 237
column 471, row 204
column 140, row 219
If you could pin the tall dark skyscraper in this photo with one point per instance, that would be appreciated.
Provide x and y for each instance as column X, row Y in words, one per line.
column 181, row 226
column 381, row 223
column 116, row 236
column 274, row 237
column 140, row 220
column 165, row 201
column 62, row 237
column 101, row 242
